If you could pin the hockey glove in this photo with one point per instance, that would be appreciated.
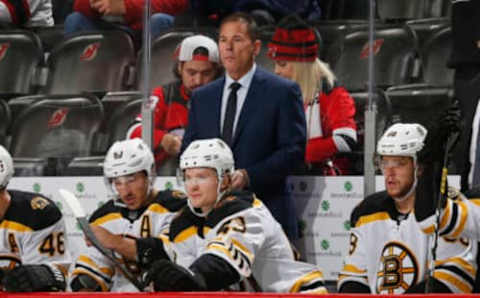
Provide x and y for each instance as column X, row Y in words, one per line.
column 167, row 276
column 34, row 278
column 450, row 125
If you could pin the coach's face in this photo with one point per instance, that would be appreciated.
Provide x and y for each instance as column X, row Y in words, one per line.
column 237, row 49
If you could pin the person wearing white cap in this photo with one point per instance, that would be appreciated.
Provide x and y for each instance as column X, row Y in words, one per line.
column 197, row 64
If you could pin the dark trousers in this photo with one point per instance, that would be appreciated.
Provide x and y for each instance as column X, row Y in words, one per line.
column 467, row 91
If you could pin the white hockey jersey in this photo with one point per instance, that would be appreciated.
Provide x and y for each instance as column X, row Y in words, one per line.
column 33, row 232
column 146, row 222
column 242, row 231
column 459, row 218
column 388, row 253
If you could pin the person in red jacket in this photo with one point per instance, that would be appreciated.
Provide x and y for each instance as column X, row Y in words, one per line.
column 122, row 14
column 197, row 64
column 329, row 109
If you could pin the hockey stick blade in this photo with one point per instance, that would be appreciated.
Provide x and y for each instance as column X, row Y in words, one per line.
column 82, row 220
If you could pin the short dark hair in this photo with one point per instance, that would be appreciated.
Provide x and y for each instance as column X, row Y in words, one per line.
column 252, row 28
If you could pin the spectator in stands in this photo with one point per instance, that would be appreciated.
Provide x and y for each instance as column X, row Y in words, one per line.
column 122, row 14
column 329, row 109
column 265, row 12
column 465, row 59
column 197, row 64
column 29, row 13
column 259, row 114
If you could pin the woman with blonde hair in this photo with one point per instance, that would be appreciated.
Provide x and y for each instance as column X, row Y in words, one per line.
column 329, row 109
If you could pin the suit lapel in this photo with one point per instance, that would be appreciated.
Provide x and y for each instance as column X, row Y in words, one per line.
column 252, row 101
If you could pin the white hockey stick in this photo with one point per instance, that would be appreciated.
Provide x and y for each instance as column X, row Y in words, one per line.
column 82, row 220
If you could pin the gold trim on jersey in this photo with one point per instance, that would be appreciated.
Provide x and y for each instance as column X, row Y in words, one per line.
column 157, row 208
column 257, row 203
column 451, row 279
column 103, row 284
column 466, row 266
column 372, row 217
column 341, row 277
column 445, row 217
column 307, row 278
column 245, row 250
column 475, row 201
column 353, row 269
column 106, row 218
column 85, row 259
column 185, row 234
column 13, row 225
column 463, row 219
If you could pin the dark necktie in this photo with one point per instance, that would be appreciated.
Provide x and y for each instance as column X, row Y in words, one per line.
column 227, row 133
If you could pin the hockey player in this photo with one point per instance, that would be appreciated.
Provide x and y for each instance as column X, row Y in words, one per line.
column 137, row 210
column 388, row 250
column 33, row 250
column 197, row 64
column 459, row 214
column 224, row 237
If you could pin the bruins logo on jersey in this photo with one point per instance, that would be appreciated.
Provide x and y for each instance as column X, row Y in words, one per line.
column 39, row 203
column 178, row 194
column 398, row 269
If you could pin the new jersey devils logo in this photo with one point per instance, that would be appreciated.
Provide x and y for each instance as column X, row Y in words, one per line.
column 90, row 52
column 57, row 118
column 377, row 44
column 3, row 49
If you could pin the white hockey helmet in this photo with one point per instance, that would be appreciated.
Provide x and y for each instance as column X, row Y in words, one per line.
column 402, row 139
column 128, row 157
column 208, row 153
column 6, row 167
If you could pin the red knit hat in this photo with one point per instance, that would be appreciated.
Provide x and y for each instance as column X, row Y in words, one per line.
column 293, row 40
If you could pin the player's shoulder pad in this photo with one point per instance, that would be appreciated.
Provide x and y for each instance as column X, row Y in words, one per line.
column 232, row 203
column 32, row 209
column 184, row 220
column 374, row 203
column 172, row 200
column 104, row 210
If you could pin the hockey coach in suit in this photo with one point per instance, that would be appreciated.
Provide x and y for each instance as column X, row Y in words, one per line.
column 258, row 114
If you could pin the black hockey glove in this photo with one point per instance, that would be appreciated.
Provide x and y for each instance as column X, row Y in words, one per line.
column 34, row 278
column 448, row 129
column 167, row 276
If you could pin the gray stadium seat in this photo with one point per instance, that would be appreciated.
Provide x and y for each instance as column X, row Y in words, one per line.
column 396, row 55
column 56, row 130
column 6, row 117
column 435, row 55
column 93, row 61
column 21, row 55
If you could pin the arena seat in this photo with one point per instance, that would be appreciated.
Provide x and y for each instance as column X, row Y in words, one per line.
column 56, row 130
column 21, row 57
column 396, row 57
column 91, row 61
column 404, row 9
column 424, row 28
column 435, row 54
column 121, row 119
column 49, row 36
column 420, row 103
column 6, row 117
column 162, row 55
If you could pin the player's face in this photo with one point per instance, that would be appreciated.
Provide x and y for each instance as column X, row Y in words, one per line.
column 196, row 74
column 284, row 69
column 201, row 185
column 398, row 172
column 132, row 189
column 237, row 49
